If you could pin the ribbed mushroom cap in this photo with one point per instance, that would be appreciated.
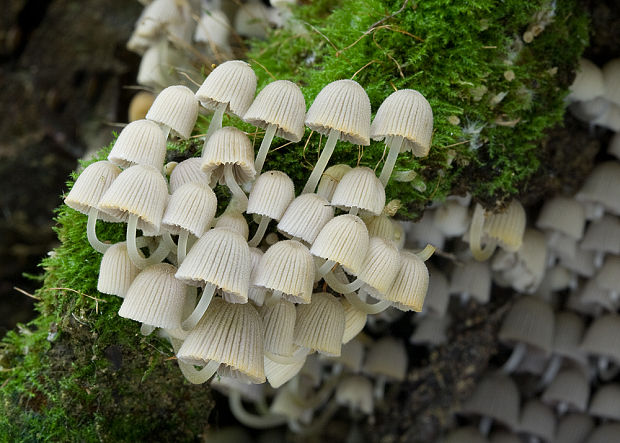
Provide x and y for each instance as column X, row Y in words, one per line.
column 188, row 171
column 90, row 186
column 351, row 356
column 231, row 334
column 155, row 297
column 570, row 386
column 221, row 257
column 252, row 20
column 139, row 105
column 248, row 391
column 271, row 194
column 320, row 324
column 235, row 221
column 582, row 263
column 601, row 338
column 405, row 113
column 608, row 277
column 423, row 232
column 588, row 83
column 355, row 391
column 214, row 28
column 305, row 217
column 603, row 235
column 360, row 188
column 611, row 80
column 568, row 332
column 312, row 371
column 330, row 179
column 229, row 145
column 381, row 265
column 140, row 142
column 342, row 105
column 605, row 402
column 563, row 214
column 192, row 208
column 287, row 404
column 529, row 321
column 256, row 293
column 232, row 82
column 354, row 321
column 156, row 17
column 537, row 420
column 139, row 190
column 280, row 103
column 277, row 373
column 594, row 297
column 574, row 428
column 408, row 290
column 438, row 295
column 116, row 271
column 495, row 396
column 507, row 227
column 380, row 226
column 472, row 278
column 605, row 433
column 601, row 187
column 452, row 218
column 387, row 357
column 467, row 434
column 343, row 239
column 279, row 323
column 177, row 108
column 430, row 331
column 288, row 267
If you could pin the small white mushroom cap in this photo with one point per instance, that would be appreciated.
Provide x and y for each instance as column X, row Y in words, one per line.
column 600, row 338
column 342, row 105
column 591, row 296
column 354, row 321
column 423, row 232
column 252, row 20
column 507, row 227
column 280, row 103
column 213, row 28
column 177, row 108
column 272, row 193
column 140, row 142
column 496, row 395
column 235, row 221
column 192, row 208
column 356, row 392
column 387, row 357
column 305, row 217
column 351, row 356
column 381, row 265
column 409, row 288
column 380, row 226
column 611, row 80
column 156, row 17
column 229, row 145
column 452, row 218
column 537, row 420
column 279, row 323
column 530, row 321
column 591, row 111
column 256, row 293
column 360, row 188
column 603, row 236
column 116, row 271
column 278, row 373
column 588, row 83
column 233, row 82
column 614, row 145
column 320, row 324
column 605, row 433
column 472, row 278
column 438, row 295
column 605, row 403
column 601, row 187
column 430, row 331
column 574, row 428
column 570, row 386
column 330, row 179
column 608, row 277
column 563, row 214
column 186, row 172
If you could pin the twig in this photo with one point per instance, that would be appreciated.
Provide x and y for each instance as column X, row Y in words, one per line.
column 364, row 67
column 388, row 55
column 97, row 300
column 26, row 293
column 264, row 68
column 324, row 36
column 186, row 75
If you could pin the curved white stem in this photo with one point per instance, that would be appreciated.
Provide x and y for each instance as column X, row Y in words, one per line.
column 343, row 288
column 216, row 123
column 475, row 236
column 426, row 253
column 485, row 425
column 147, row 329
column 326, row 154
column 553, row 367
column 234, row 187
column 319, row 423
column 379, row 391
column 297, row 356
column 132, row 248
column 516, row 357
column 264, row 148
column 322, row 395
column 182, row 246
column 394, row 143
column 367, row 308
column 354, row 210
column 205, row 299
column 326, row 267
column 91, row 232
column 260, row 231
column 165, row 129
column 198, row 376
column 252, row 420
column 167, row 238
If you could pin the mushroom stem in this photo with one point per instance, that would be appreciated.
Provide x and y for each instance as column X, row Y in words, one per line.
column 552, row 369
column 264, row 148
column 517, row 355
column 234, row 187
column 475, row 236
column 296, row 357
column 275, row 297
column 147, row 329
column 205, row 299
column 379, row 390
column 251, row 420
column 318, row 425
column 165, row 129
column 182, row 246
column 132, row 248
column 198, row 376
column 91, row 232
column 426, row 253
column 340, row 287
column 367, row 308
column 260, row 231
column 326, row 267
column 167, row 238
column 484, row 427
column 322, row 394
column 326, row 154
column 354, row 210
column 395, row 144
column 216, row 123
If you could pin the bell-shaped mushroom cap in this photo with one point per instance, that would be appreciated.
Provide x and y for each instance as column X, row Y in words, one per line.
column 271, row 194
column 355, row 391
column 235, row 221
column 603, row 235
column 608, row 277
column 430, row 331
column 472, row 278
column 116, row 271
column 330, row 179
column 280, row 103
column 438, row 295
column 155, row 297
column 588, row 83
column 563, row 214
column 140, row 190
column 592, row 298
column 605, row 402
column 213, row 28
column 256, row 293
column 139, row 106
column 252, row 20
column 343, row 239
column 188, row 171
column 423, row 232
column 320, row 324
column 354, row 320
column 613, row 147
column 229, row 145
column 601, row 187
column 360, row 188
column 408, row 290
column 192, row 207
column 387, row 357
column 380, row 226
column 140, row 143
column 537, row 420
column 467, row 434
column 570, row 386
column 405, row 113
column 568, row 332
column 381, row 265
column 177, row 108
column 507, row 227
column 90, row 186
column 232, row 82
column 221, row 257
column 278, row 373
column 351, row 356
column 288, row 267
column 574, row 428
column 231, row 334
column 611, row 80
column 305, row 217
column 452, row 218
column 342, row 105
column 156, row 17
column 601, row 337
column 495, row 396
column 529, row 321
column 605, row 433
column 279, row 323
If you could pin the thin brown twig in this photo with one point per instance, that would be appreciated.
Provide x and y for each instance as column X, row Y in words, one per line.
column 388, row 55
column 264, row 68
column 97, row 300
column 381, row 159
column 186, row 75
column 364, row 67
column 282, row 146
column 303, row 152
column 26, row 293
column 454, row 144
column 323, row 35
